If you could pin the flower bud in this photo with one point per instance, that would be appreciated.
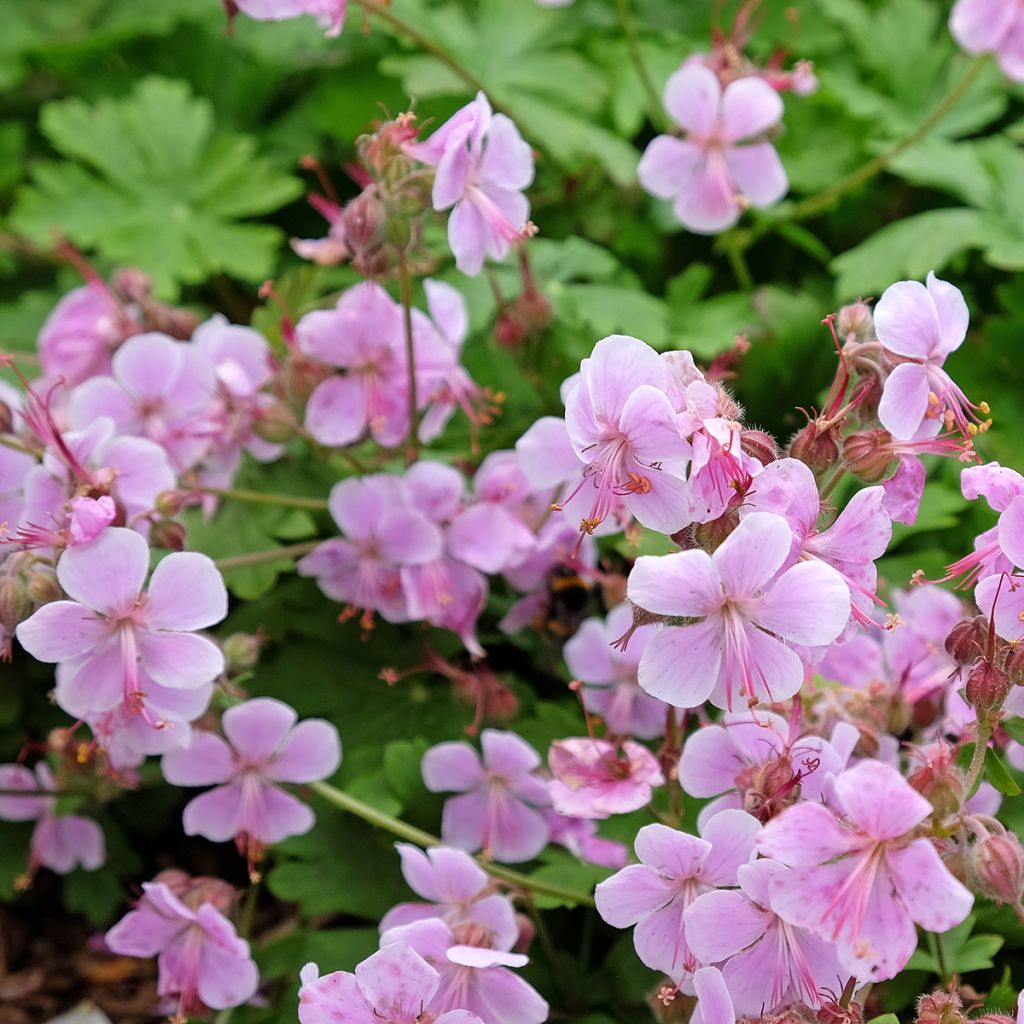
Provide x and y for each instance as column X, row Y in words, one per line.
column 710, row 535
column 300, row 375
column 526, row 933
column 1013, row 663
column 940, row 1007
column 855, row 322
column 868, row 454
column 818, row 449
column 169, row 534
column 833, row 1012
column 242, row 651
column 209, row 890
column 275, row 423
column 533, row 309
column 510, row 332
column 996, row 867
column 966, row 639
column 939, row 780
column 43, row 586
column 133, row 285
column 365, row 223
column 987, row 687
column 760, row 445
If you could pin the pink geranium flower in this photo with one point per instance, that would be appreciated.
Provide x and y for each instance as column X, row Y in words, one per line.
column 920, row 325
column 459, row 891
column 992, row 26
column 498, row 809
column 609, row 673
column 59, row 842
column 329, row 14
column 483, row 165
column 675, row 868
column 112, row 637
column 262, row 747
column 382, row 532
column 724, row 163
column 623, row 429
column 201, row 959
column 159, row 388
column 595, row 779
column 579, row 836
column 745, row 616
column 473, row 977
column 394, row 986
column 767, row 964
column 862, row 881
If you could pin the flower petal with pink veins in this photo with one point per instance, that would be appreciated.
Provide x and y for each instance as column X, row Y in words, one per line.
column 208, row 761
column 692, row 98
column 757, row 172
column 587, row 653
column 753, row 553
column 631, row 893
column 672, row 853
column 257, row 728
column 880, row 800
column 906, row 321
column 667, row 166
column 721, row 923
column 709, row 763
column 545, row 453
column 733, row 838
column 180, row 660
column 935, row 899
column 617, row 366
column 333, row 999
column 714, row 1004
column 500, row 996
column 227, row 975
column 310, row 752
column 507, row 754
column 467, row 237
column 660, row 942
column 1009, row 605
column 707, row 202
column 750, row 106
column 214, row 814
column 804, row 834
column 107, row 574
column 683, row 583
column 61, row 630
column 808, row 604
column 681, row 664
column 904, row 400
column 336, row 412
column 186, row 592
column 665, row 505
column 397, row 982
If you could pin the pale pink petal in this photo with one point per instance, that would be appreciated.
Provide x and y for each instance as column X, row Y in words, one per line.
column 667, row 166
column 467, row 237
column 904, row 400
column 684, row 583
column 674, row 854
column 629, row 894
column 709, row 763
column 488, row 537
column 215, row 814
column 904, row 490
column 507, row 754
column 336, row 412
column 398, row 982
column 61, row 630
column 108, row 573
column 806, row 833
column 207, row 761
column 774, row 671
column 707, row 203
column 886, row 939
column 753, row 553
column 451, row 767
column 333, row 999
column 101, row 396
column 733, row 838
column 935, row 899
column 147, row 365
column 21, row 808
column 981, row 25
column 545, row 453
column 310, row 752
column 507, row 160
column 750, row 106
column 713, row 997
column 906, row 321
column 664, row 506
column 500, row 996
column 952, row 313
column 719, row 924
column 880, row 800
column 681, row 664
column 1011, row 531
column 408, row 538
column 186, row 592
column 258, row 727
column 617, row 366
column 517, row 832
column 758, row 172
column 450, row 179
column 464, row 820
column 1009, row 608
column 692, row 98
column 227, row 975
column 180, row 660
column 588, row 655
column 808, row 604
column 660, row 941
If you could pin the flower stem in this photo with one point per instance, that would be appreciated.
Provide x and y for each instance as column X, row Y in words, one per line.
column 378, row 819
column 935, row 940
column 292, row 551
column 978, row 757
column 405, row 287
column 823, row 199
column 636, row 56
column 734, row 251
column 263, row 498
column 423, row 41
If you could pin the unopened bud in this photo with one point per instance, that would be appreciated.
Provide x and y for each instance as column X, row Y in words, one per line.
column 533, row 309
column 997, row 868
column 133, row 285
column 242, row 651
column 170, row 503
column 209, row 890
column 15, row 602
column 939, row 780
column 760, row 445
column 940, row 1007
column 364, row 221
column 510, row 332
column 818, row 449
column 868, row 454
column 967, row 639
column 275, row 424
column 43, row 587
column 1013, row 663
column 169, row 534
column 855, row 322
column 300, row 376
column 710, row 535
column 987, row 687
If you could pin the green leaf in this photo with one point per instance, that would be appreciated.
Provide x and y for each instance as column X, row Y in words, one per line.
column 1015, row 728
column 909, row 248
column 573, row 875
column 885, row 1018
column 148, row 183
column 997, row 773
column 402, row 760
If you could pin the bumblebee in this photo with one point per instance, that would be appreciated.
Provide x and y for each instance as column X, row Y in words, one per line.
column 568, row 600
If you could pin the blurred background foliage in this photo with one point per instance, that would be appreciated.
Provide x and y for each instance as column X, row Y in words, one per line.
column 151, row 136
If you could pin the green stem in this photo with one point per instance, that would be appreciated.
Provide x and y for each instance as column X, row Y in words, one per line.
column 978, row 757
column 657, row 114
column 263, row 498
column 405, row 287
column 423, row 41
column 292, row 551
column 738, row 262
column 827, row 196
column 378, row 819
column 935, row 940
column 831, row 483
